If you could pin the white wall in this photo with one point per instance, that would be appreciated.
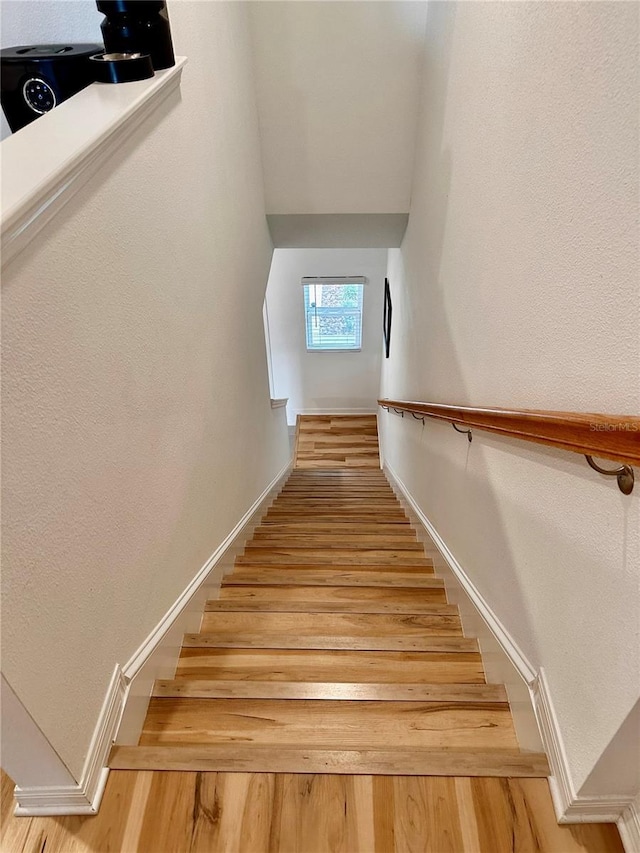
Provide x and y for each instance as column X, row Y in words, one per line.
column 137, row 428
column 337, row 91
column 517, row 285
column 324, row 381
column 47, row 22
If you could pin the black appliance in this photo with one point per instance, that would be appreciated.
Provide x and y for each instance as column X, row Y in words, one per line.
column 36, row 78
column 138, row 26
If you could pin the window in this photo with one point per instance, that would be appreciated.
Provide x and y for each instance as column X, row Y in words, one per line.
column 333, row 313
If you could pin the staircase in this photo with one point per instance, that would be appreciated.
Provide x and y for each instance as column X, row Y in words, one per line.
column 332, row 648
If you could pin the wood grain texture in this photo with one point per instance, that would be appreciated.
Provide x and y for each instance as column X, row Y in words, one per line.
column 330, row 442
column 289, row 605
column 607, row 436
column 335, row 576
column 193, row 812
column 223, row 757
column 337, row 594
column 340, row 528
column 331, row 625
column 328, row 544
column 339, row 556
column 328, row 646
column 330, row 665
column 336, row 599
column 258, row 640
column 378, row 692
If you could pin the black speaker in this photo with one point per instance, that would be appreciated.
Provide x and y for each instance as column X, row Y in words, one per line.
column 36, row 78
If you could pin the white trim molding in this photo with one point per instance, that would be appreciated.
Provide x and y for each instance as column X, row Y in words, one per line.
column 82, row 798
column 570, row 807
column 509, row 645
column 279, row 402
column 65, row 147
column 157, row 656
column 629, row 826
column 141, row 656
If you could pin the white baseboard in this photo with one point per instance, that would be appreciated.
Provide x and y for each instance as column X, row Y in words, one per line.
column 158, row 655
column 84, row 797
column 504, row 638
column 134, row 665
column 570, row 807
column 629, row 827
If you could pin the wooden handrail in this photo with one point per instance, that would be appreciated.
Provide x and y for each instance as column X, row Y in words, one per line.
column 614, row 437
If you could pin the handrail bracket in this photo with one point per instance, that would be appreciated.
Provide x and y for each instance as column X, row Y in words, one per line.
column 624, row 475
column 466, row 432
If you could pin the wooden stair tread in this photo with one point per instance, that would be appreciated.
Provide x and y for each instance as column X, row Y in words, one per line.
column 321, row 538
column 346, row 625
column 339, row 528
column 309, row 543
column 329, row 723
column 331, row 647
column 307, row 599
column 334, row 576
column 331, row 665
column 347, row 517
column 258, row 639
column 332, row 594
column 372, row 691
column 392, row 761
column 338, row 556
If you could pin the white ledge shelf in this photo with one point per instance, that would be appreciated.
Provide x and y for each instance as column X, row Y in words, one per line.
column 279, row 402
column 46, row 163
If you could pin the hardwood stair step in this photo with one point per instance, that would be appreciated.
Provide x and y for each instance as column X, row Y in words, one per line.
column 310, row 594
column 277, row 516
column 275, row 605
column 328, row 486
column 318, row 463
column 380, row 692
column 308, row 599
column 249, row 758
column 399, row 527
column 308, row 543
column 321, row 537
column 329, row 723
column 348, row 576
column 343, row 528
column 355, row 489
column 303, row 566
column 337, row 556
column 331, row 665
column 377, row 501
column 260, row 640
column 353, row 626
column 344, row 478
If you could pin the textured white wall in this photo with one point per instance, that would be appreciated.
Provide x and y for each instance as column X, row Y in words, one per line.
column 323, row 381
column 137, row 428
column 517, row 285
column 47, row 22
column 337, row 91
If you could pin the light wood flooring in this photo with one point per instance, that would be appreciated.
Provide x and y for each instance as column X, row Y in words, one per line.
column 332, row 441
column 332, row 698
column 159, row 812
column 331, row 649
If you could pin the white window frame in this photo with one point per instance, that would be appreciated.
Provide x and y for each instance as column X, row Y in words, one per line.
column 342, row 281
